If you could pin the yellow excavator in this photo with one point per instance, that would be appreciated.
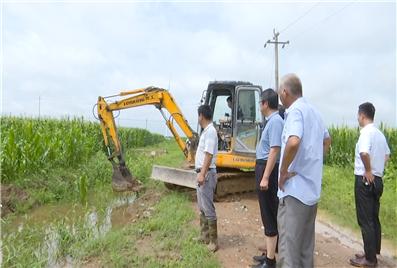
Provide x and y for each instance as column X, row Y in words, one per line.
column 236, row 117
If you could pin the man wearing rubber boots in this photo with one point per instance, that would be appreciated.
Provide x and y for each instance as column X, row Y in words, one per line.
column 266, row 174
column 206, row 178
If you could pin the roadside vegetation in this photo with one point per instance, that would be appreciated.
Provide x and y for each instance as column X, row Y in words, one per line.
column 65, row 211
column 337, row 197
column 70, row 214
column 49, row 160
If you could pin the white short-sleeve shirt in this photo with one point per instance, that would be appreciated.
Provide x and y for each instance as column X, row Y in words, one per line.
column 208, row 143
column 373, row 142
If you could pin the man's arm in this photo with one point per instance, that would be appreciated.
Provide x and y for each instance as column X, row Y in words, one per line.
column 291, row 148
column 387, row 158
column 209, row 151
column 271, row 161
column 204, row 168
column 367, row 165
column 326, row 145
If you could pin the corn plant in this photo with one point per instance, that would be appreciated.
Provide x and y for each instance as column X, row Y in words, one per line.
column 31, row 145
column 344, row 140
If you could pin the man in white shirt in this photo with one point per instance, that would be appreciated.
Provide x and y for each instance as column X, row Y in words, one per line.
column 304, row 142
column 372, row 153
column 207, row 150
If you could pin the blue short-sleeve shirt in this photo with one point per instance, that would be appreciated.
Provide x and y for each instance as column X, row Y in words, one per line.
column 271, row 136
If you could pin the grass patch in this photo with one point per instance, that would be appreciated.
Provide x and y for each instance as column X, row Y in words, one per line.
column 338, row 199
column 163, row 240
column 174, row 156
column 63, row 184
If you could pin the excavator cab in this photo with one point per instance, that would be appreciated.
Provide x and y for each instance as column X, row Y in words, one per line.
column 238, row 126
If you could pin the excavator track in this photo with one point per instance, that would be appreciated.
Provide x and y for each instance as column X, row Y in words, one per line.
column 234, row 182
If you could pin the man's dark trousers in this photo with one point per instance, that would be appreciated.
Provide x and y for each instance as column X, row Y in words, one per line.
column 367, row 199
column 268, row 200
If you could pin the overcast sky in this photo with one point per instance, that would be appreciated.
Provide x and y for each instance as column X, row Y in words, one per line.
column 70, row 53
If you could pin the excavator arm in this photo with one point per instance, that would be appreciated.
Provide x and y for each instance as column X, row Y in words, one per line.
column 161, row 99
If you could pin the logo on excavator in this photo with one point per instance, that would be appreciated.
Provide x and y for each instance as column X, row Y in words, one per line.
column 131, row 102
column 235, row 159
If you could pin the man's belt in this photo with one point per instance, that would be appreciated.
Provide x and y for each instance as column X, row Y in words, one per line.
column 261, row 161
column 198, row 170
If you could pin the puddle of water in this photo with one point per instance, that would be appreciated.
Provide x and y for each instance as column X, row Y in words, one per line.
column 96, row 225
column 52, row 243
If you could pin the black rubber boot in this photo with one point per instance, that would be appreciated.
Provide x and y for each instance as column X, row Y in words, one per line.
column 213, row 233
column 204, row 229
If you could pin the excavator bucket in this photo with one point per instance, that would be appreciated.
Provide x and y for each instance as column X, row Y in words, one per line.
column 123, row 180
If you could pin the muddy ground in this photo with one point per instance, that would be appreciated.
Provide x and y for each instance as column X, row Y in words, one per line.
column 240, row 231
column 240, row 234
column 9, row 195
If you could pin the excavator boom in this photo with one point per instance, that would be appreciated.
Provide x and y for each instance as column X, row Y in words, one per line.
column 122, row 179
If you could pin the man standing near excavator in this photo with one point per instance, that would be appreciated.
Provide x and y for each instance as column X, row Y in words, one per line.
column 266, row 173
column 207, row 150
column 304, row 142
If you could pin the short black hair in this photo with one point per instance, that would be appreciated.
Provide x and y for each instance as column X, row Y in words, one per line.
column 281, row 111
column 229, row 98
column 205, row 111
column 367, row 109
column 271, row 97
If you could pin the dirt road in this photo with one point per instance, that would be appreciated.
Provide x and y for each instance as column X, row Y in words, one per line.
column 240, row 234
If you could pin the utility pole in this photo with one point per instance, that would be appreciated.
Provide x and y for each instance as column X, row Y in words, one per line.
column 276, row 43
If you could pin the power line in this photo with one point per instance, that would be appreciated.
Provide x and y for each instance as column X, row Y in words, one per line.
column 300, row 17
column 316, row 25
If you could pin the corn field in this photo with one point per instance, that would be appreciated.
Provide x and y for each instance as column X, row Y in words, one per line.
column 36, row 145
column 344, row 140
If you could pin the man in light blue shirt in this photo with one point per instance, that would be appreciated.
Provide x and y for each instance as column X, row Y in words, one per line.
column 266, row 174
column 304, row 143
